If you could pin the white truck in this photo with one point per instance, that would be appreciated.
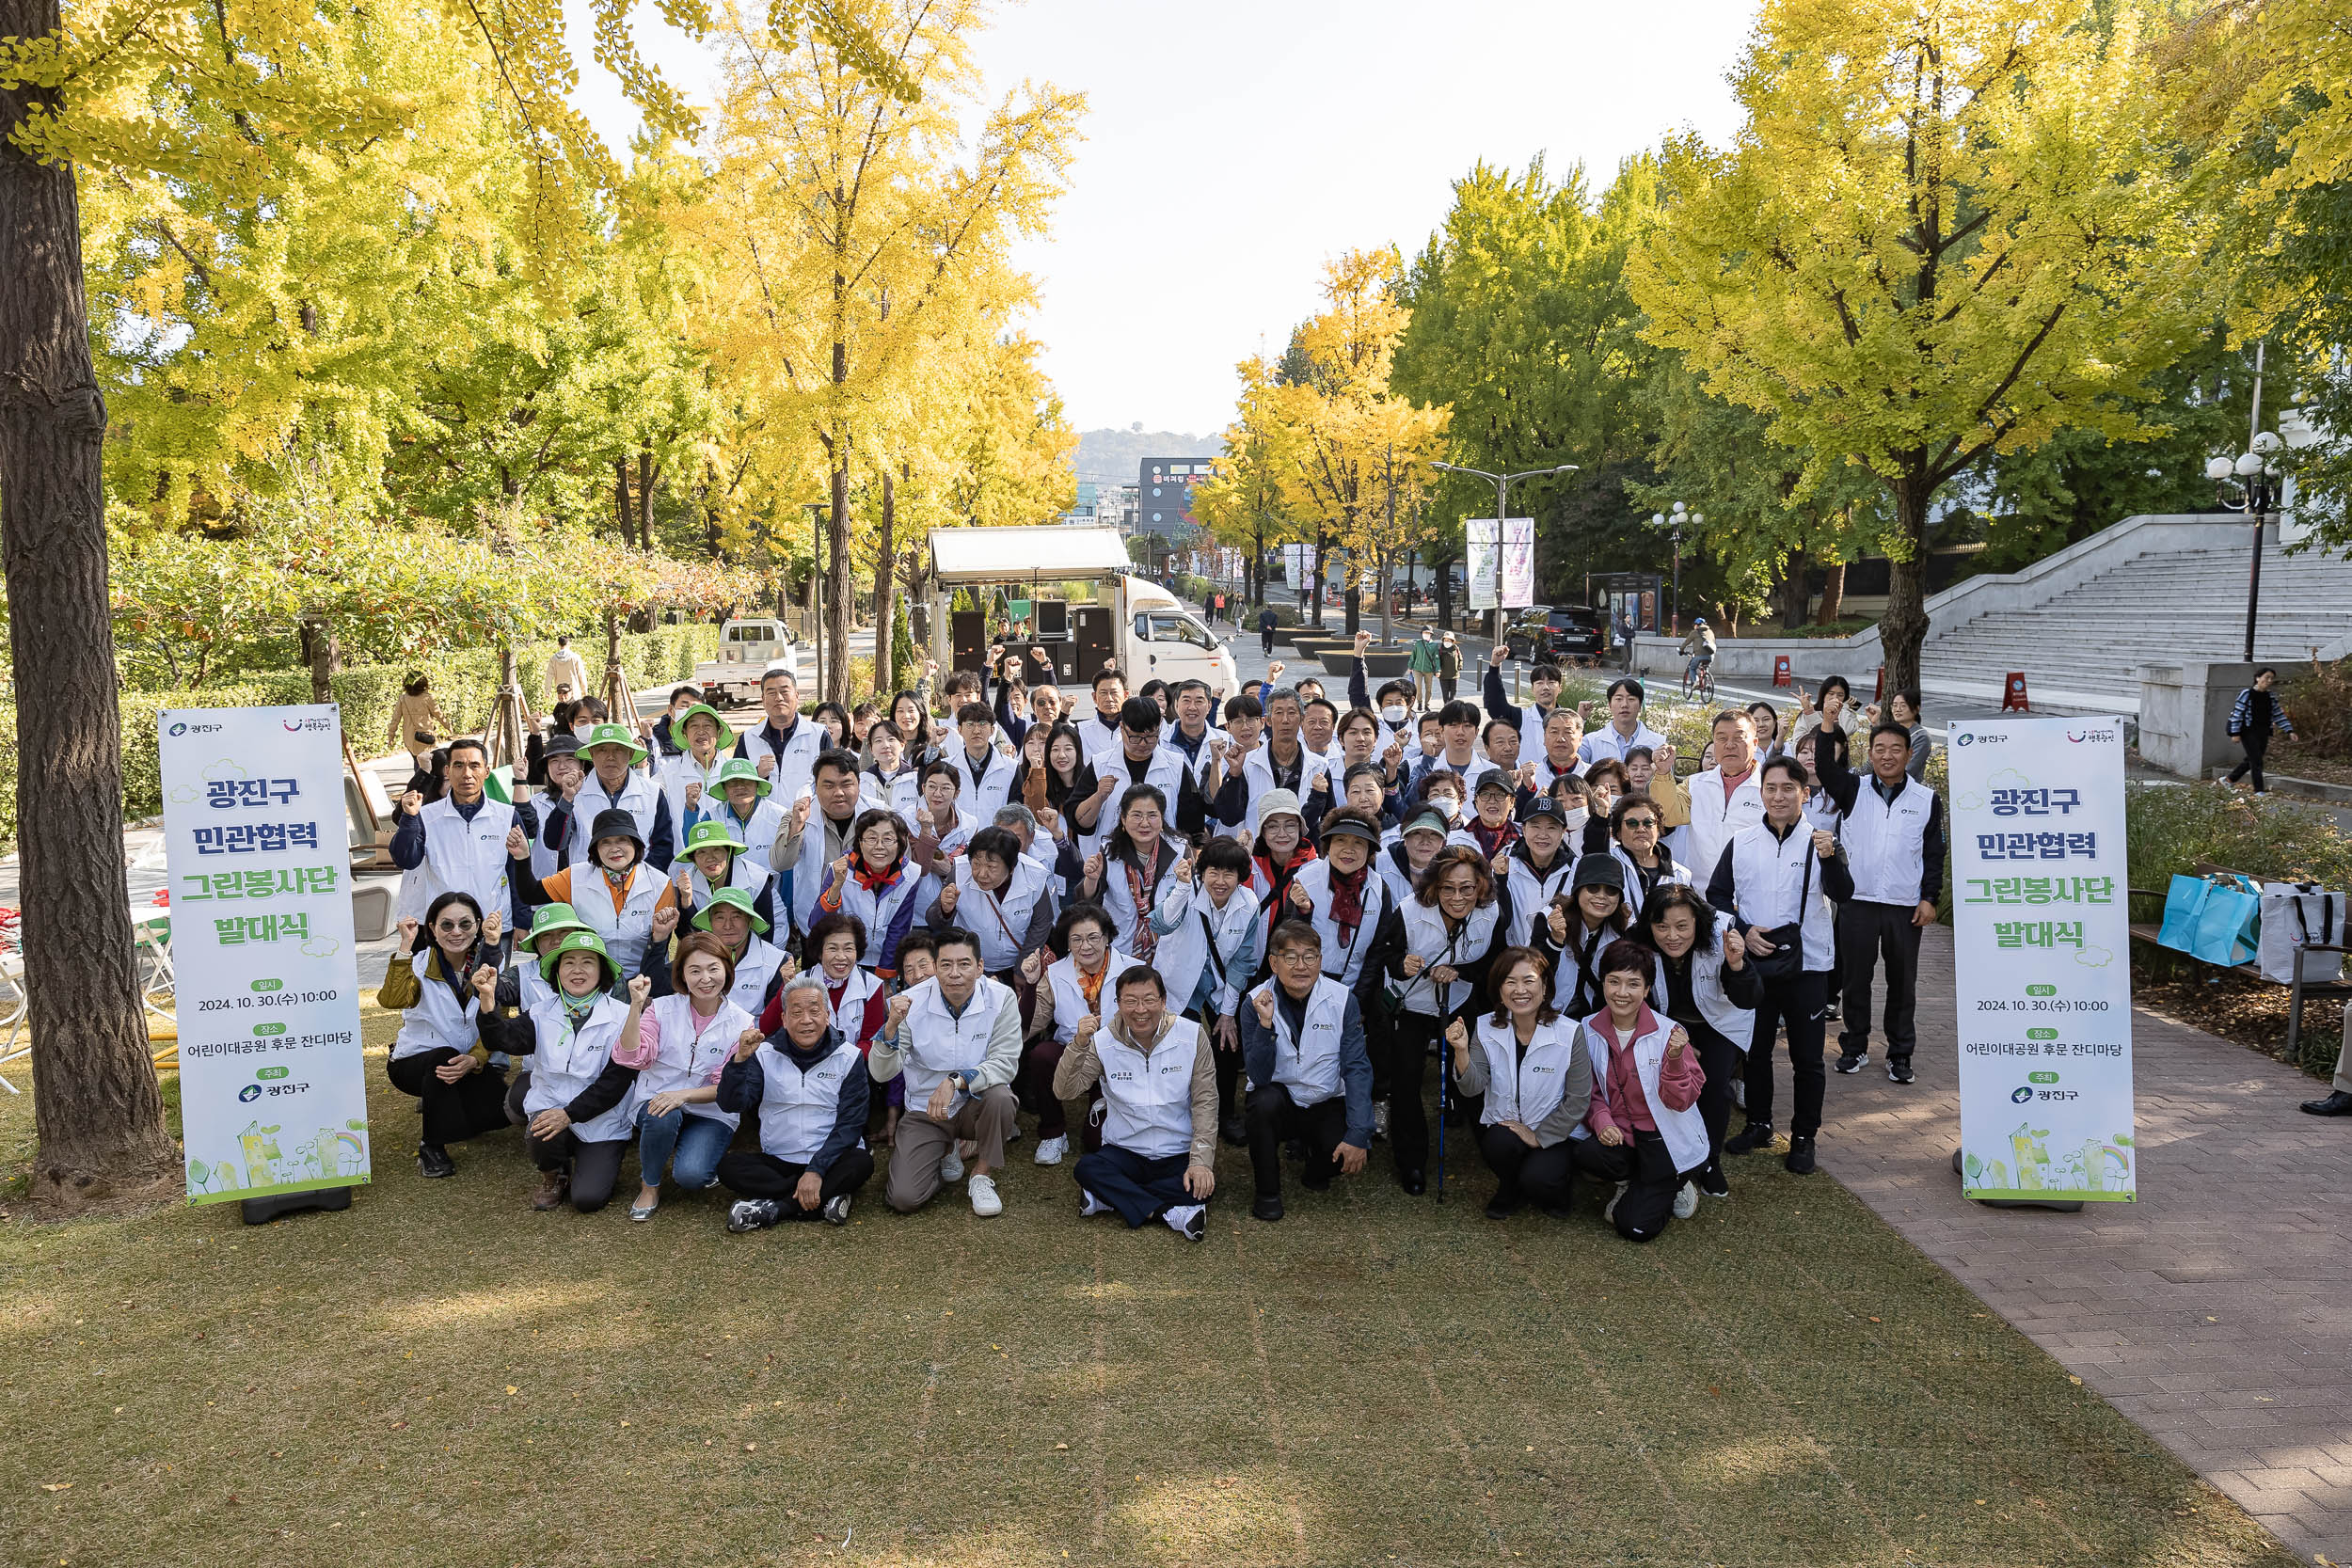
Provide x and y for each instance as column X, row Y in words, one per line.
column 748, row 644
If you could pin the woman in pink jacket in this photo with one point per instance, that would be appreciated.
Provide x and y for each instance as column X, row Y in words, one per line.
column 1643, row 1131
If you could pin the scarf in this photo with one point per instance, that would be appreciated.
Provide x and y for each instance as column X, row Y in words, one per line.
column 1279, row 878
column 1493, row 841
column 1348, row 901
column 576, row 1009
column 874, row 881
column 1091, row 986
column 1144, row 939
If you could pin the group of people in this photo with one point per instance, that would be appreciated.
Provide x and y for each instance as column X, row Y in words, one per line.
column 1183, row 918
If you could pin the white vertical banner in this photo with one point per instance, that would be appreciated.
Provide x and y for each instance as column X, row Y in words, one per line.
column 2040, row 937
column 1519, row 563
column 273, row 1096
column 1480, row 561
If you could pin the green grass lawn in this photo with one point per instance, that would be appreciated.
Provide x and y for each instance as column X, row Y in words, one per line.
column 441, row 1377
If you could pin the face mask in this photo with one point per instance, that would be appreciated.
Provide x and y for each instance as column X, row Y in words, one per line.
column 1393, row 714
column 1578, row 816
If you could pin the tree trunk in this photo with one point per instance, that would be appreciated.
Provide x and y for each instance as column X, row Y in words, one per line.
column 96, row 1109
column 1355, row 600
column 1388, row 594
column 885, row 627
column 1833, row 594
column 622, row 515
column 839, row 619
column 1794, row 596
column 646, row 475
column 1904, row 625
column 1257, row 565
column 1323, row 564
column 1440, row 566
column 320, row 651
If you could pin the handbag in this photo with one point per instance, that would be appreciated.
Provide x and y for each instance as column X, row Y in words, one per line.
column 2216, row 918
column 2294, row 916
column 1786, row 959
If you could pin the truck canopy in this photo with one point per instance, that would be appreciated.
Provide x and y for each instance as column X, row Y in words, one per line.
column 1048, row 553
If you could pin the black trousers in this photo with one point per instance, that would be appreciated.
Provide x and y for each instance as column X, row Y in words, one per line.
column 1867, row 933
column 1266, row 640
column 755, row 1173
column 1648, row 1205
column 596, row 1167
column 1402, row 1048
column 1539, row 1175
column 473, row 1105
column 1140, row 1187
column 1227, row 1063
column 1720, row 1061
column 1798, row 1002
column 2255, row 744
column 1274, row 1116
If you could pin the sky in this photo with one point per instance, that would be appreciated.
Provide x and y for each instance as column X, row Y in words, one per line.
column 1232, row 147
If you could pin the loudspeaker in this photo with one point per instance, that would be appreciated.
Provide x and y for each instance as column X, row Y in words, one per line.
column 1091, row 637
column 1052, row 618
column 967, row 638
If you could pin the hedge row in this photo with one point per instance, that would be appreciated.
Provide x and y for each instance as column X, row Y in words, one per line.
column 466, row 685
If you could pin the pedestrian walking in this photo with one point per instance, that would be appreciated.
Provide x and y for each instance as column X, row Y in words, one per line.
column 417, row 723
column 1267, row 622
column 566, row 675
column 1449, row 667
column 1423, row 662
column 2252, row 719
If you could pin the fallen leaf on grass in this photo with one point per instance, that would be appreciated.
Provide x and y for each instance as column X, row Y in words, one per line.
column 511, row 1389
column 56, row 1486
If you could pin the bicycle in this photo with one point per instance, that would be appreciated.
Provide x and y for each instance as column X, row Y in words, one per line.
column 1698, row 682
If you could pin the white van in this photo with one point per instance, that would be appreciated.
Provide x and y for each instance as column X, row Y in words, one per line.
column 747, row 645
column 1161, row 640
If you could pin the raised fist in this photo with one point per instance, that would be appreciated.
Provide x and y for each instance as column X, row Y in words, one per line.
column 1457, row 1036
column 411, row 803
column 1412, row 965
column 1664, row 758
column 640, row 990
column 1824, row 844
column 1299, row 900
column 747, row 1042
column 1323, row 781
column 1105, row 785
column 1045, row 659
column 1559, row 919
column 1184, row 869
column 898, row 1005
column 409, row 930
column 947, row 896
column 1527, row 775
column 517, row 843
column 493, row 925
column 693, row 796
column 768, row 766
column 800, row 811
column 664, row 922
column 841, row 869
column 1084, row 1034
column 1500, row 865
column 1676, row 1043
column 1263, row 1001
column 1363, row 641
column 1734, row 947
column 485, row 984
column 1034, row 965
column 1275, row 670
column 1584, row 709
column 1094, row 869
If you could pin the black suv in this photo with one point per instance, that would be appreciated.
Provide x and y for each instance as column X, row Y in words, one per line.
column 1561, row 633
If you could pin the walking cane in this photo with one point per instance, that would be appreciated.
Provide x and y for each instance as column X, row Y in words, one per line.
column 1444, row 1060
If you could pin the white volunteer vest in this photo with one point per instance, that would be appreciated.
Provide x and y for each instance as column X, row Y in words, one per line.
column 1258, row 776
column 460, row 857
column 1165, row 773
column 1685, row 1131
column 1727, row 1017
column 1885, row 842
column 1001, row 919
column 640, row 797
column 1767, row 875
column 878, row 909
column 1147, row 1097
column 754, row 970
column 566, row 1062
column 935, row 1042
column 1672, row 873
column 849, row 1017
column 1308, row 1064
column 1426, row 937
column 1070, row 1003
column 682, row 770
column 798, row 1110
column 758, row 832
column 1119, row 899
column 1714, row 821
column 1342, row 959
column 796, row 763
column 981, row 793
column 1531, row 891
column 692, row 1051
column 627, row 929
column 747, row 874
column 1184, row 953
column 1400, row 879
column 437, row 1020
column 1524, row 1089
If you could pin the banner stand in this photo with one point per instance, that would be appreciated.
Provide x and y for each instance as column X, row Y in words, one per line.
column 260, row 1210
column 2065, row 1206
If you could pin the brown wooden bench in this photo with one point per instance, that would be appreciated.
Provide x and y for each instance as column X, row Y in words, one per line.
column 2298, row 993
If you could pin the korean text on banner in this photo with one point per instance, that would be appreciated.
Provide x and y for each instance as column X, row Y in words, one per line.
column 1479, row 562
column 2041, row 939
column 272, row 1097
column 1519, row 563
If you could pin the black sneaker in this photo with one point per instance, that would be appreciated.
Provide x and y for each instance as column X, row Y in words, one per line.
column 1850, row 1061
column 837, row 1209
column 1712, row 1181
column 1197, row 1226
column 1413, row 1183
column 1899, row 1073
column 1800, row 1160
column 1754, row 1135
column 433, row 1163
column 1233, row 1131
column 753, row 1213
column 1833, row 1013
column 1268, row 1208
column 1501, row 1208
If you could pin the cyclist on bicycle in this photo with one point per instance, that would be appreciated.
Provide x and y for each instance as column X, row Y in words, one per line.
column 1700, row 645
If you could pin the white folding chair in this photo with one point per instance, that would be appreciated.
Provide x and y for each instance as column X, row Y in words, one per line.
column 17, row 1042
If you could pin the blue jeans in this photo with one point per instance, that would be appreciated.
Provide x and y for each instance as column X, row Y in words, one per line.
column 697, row 1142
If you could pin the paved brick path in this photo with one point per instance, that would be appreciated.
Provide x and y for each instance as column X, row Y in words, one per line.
column 2216, row 1311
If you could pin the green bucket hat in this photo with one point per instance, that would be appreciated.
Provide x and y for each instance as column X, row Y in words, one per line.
column 580, row 942
column 740, row 767
column 553, row 917
column 614, row 735
column 712, row 835
column 734, row 898
column 677, row 725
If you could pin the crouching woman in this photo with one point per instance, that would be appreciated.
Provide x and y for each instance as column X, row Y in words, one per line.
column 574, row 1105
column 1643, row 1131
column 1537, row 1083
column 806, row 1086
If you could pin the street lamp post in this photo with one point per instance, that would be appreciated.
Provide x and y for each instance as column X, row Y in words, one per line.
column 1682, row 515
column 817, row 513
column 1502, row 483
column 2257, row 486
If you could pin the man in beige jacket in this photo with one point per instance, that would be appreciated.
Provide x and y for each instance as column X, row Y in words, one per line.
column 1158, row 1159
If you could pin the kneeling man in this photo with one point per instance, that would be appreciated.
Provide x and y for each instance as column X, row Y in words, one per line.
column 959, row 1043
column 1302, row 1043
column 1158, row 1157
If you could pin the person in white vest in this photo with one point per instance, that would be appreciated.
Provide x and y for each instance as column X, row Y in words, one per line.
column 1076, row 969
column 1705, row 983
column 817, row 831
column 1158, row 1159
column 939, row 825
column 679, row 1051
column 1894, row 838
column 462, row 841
column 1343, row 898
column 1643, row 1128
column 1578, row 929
column 876, row 883
column 1458, row 752
column 1533, row 1082
column 631, row 906
column 1139, row 877
column 712, row 859
column 761, row 968
column 689, row 780
column 1624, row 729
column 1281, row 761
column 563, row 769
column 1775, row 882
column 1402, row 859
column 1543, row 683
column 807, row 1090
column 1138, row 759
column 1535, row 871
column 746, row 807
column 1203, row 747
column 574, row 1103
column 957, row 1039
column 1557, row 758
column 1000, row 895
column 1433, row 951
column 1634, row 840
column 520, row 984
column 1725, row 799
column 1302, row 1043
column 613, row 783
column 1206, row 961
column 785, row 748
column 438, row 1055
column 983, row 771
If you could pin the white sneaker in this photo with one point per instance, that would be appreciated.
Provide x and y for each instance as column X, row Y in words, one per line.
column 1687, row 1200
column 1379, row 1119
column 985, row 1202
column 1088, row 1204
column 1609, row 1214
column 1050, row 1150
column 951, row 1168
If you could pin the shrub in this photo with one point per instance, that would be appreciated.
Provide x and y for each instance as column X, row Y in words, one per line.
column 2318, row 700
column 2171, row 827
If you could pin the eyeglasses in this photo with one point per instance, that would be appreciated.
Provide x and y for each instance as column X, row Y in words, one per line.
column 1298, row 956
column 454, row 925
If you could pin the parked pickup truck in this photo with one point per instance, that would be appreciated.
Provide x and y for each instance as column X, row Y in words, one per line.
column 747, row 646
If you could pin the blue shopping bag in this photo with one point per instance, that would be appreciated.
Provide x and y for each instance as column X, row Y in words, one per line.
column 2182, row 902
column 2228, row 927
